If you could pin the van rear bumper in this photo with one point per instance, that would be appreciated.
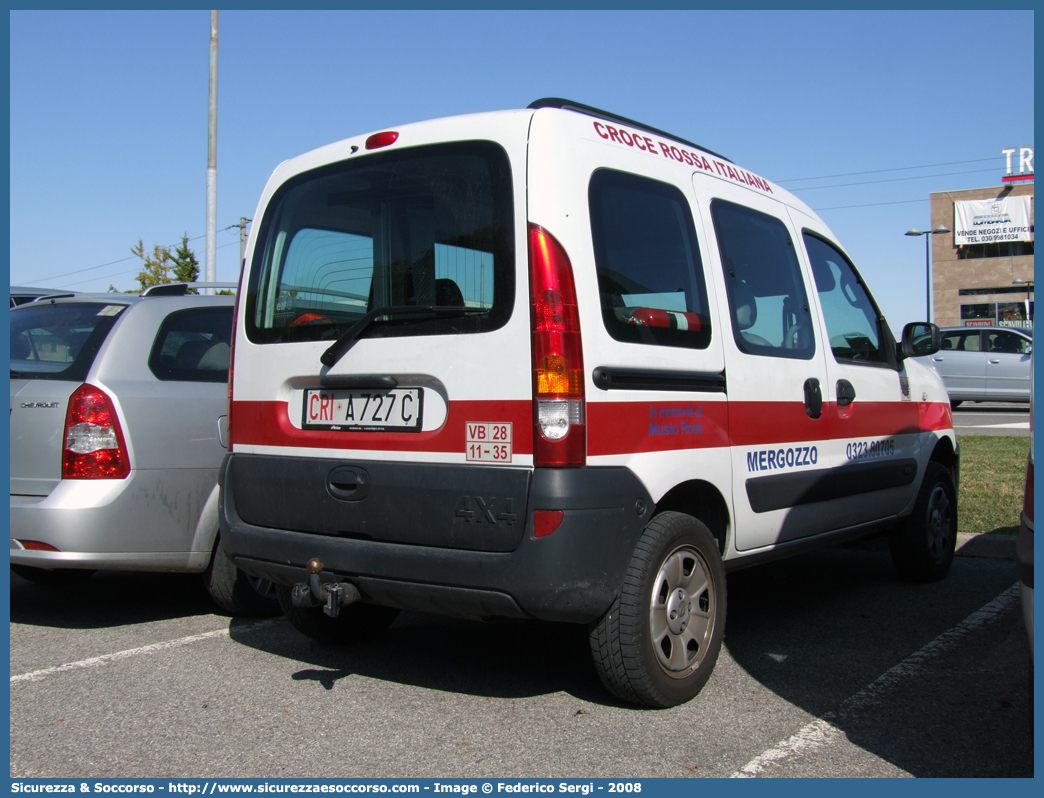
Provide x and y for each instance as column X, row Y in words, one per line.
column 570, row 575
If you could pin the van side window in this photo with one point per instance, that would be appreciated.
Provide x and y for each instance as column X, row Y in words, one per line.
column 650, row 276
column 767, row 299
column 193, row 346
column 852, row 319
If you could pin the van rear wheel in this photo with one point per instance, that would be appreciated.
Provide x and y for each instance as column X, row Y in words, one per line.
column 922, row 547
column 355, row 623
column 660, row 639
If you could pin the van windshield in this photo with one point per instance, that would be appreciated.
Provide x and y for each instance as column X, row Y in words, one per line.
column 427, row 226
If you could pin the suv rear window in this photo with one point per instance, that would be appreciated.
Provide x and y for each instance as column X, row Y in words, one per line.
column 650, row 277
column 59, row 342
column 428, row 226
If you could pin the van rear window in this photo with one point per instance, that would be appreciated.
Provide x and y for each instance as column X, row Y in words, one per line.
column 427, row 227
column 650, row 277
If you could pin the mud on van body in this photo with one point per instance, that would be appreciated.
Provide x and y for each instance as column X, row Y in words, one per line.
column 555, row 364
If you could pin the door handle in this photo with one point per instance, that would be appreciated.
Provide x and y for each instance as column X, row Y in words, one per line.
column 994, row 361
column 937, row 359
column 813, row 398
column 845, row 393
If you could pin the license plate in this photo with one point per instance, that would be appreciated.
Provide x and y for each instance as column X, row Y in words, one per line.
column 397, row 410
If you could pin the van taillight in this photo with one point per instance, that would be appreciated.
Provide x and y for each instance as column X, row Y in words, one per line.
column 558, row 366
column 94, row 446
column 232, row 356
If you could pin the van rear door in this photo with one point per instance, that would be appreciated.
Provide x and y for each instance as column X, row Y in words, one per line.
column 383, row 327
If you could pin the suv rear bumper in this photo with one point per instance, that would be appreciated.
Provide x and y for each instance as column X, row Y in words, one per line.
column 132, row 524
column 571, row 575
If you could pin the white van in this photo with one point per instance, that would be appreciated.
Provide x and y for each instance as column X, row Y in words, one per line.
column 552, row 363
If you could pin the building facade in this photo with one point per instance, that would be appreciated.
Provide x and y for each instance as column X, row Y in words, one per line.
column 975, row 284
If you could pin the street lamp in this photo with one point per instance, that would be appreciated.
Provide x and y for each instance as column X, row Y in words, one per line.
column 1029, row 290
column 913, row 231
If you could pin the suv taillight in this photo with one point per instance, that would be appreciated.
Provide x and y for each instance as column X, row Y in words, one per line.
column 94, row 447
column 558, row 367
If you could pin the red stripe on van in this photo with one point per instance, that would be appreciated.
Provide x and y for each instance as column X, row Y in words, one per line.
column 617, row 427
column 629, row 427
column 755, row 423
column 268, row 424
column 935, row 415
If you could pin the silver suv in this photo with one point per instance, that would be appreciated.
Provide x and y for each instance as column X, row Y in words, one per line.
column 118, row 408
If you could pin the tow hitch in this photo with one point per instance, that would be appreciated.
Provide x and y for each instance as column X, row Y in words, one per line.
column 314, row 593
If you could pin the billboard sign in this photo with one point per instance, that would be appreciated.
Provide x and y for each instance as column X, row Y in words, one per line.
column 991, row 220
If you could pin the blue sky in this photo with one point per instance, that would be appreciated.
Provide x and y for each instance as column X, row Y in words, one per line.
column 109, row 112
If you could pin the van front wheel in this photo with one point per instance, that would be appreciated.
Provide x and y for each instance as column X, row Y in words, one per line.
column 922, row 547
column 660, row 639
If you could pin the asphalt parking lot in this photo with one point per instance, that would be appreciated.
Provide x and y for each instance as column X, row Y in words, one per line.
column 992, row 418
column 831, row 667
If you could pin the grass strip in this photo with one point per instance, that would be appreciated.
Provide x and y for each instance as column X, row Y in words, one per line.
column 993, row 475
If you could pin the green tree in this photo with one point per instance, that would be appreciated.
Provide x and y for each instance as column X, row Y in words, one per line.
column 186, row 265
column 156, row 266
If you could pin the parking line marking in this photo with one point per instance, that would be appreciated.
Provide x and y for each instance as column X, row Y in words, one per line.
column 822, row 731
column 91, row 662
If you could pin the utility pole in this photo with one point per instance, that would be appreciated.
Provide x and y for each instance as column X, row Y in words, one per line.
column 243, row 222
column 211, row 256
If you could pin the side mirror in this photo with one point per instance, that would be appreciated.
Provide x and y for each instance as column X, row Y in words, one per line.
column 920, row 338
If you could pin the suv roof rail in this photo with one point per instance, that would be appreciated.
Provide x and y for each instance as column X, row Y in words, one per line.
column 180, row 289
column 52, row 296
column 569, row 105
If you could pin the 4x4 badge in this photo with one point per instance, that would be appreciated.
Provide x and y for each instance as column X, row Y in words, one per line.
column 478, row 509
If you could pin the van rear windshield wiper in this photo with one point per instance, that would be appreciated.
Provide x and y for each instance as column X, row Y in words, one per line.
column 348, row 338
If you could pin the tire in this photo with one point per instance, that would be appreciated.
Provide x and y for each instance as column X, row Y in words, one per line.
column 355, row 623
column 658, row 642
column 236, row 592
column 59, row 577
column 955, row 403
column 922, row 547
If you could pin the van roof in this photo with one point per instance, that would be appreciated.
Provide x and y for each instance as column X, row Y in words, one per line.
column 569, row 105
column 341, row 150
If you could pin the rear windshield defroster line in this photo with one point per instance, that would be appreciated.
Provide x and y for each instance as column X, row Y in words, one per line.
column 419, row 227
